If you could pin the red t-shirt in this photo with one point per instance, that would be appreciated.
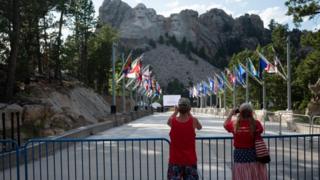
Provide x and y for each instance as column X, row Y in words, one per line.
column 182, row 145
column 243, row 138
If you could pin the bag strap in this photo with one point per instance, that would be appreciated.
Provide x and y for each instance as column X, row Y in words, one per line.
column 255, row 133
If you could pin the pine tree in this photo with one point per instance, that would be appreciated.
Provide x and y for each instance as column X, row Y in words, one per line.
column 14, row 44
column 300, row 9
column 84, row 23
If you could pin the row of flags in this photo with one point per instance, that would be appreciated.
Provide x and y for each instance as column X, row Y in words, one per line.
column 140, row 77
column 229, row 79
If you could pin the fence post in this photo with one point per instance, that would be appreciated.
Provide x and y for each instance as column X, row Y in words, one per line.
column 280, row 124
column 310, row 130
column 18, row 161
column 310, row 124
column 18, row 126
column 12, row 126
column 24, row 150
column 4, row 126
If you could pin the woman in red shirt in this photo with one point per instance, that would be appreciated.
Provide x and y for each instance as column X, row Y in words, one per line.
column 245, row 129
column 182, row 157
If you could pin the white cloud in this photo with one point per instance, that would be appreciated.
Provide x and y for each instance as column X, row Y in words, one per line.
column 201, row 8
column 239, row 3
column 173, row 4
column 253, row 12
column 138, row 1
column 248, row 12
column 234, row 1
column 276, row 13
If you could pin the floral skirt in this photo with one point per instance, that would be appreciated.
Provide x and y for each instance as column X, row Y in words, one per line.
column 245, row 166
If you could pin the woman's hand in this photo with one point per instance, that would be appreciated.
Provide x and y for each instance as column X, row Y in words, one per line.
column 231, row 113
column 234, row 112
column 176, row 111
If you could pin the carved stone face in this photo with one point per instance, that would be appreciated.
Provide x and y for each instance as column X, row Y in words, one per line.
column 140, row 11
column 176, row 23
column 152, row 15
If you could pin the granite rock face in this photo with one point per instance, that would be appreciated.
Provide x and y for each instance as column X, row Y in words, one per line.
column 51, row 110
column 216, row 33
column 142, row 22
column 313, row 108
column 133, row 23
column 171, row 64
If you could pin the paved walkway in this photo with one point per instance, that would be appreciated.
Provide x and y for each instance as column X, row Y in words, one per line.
column 156, row 126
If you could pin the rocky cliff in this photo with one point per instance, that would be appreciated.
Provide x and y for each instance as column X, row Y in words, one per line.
column 313, row 108
column 51, row 109
column 213, row 36
column 168, row 63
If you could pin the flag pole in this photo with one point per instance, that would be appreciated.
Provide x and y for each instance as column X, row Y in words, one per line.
column 247, row 81
column 288, row 75
column 224, row 97
column 217, row 100
column 234, row 89
column 197, row 101
column 123, row 90
column 113, row 106
column 220, row 103
column 234, row 95
column 206, row 100
column 201, row 102
column 263, row 92
column 131, row 100
column 136, row 101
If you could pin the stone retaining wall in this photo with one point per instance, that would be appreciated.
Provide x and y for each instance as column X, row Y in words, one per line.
column 110, row 122
column 213, row 111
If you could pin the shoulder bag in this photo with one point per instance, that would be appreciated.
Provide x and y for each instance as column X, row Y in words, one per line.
column 262, row 152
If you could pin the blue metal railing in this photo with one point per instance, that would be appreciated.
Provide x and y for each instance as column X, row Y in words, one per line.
column 9, row 160
column 88, row 159
column 292, row 157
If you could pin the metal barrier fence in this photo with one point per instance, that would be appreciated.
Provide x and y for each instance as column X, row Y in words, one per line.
column 87, row 159
column 9, row 153
column 277, row 123
column 315, row 124
column 292, row 157
column 284, row 123
column 10, row 125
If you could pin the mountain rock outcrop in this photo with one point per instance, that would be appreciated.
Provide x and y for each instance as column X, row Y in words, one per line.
column 313, row 108
column 213, row 36
column 171, row 64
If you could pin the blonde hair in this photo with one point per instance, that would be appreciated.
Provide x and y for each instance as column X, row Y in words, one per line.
column 246, row 113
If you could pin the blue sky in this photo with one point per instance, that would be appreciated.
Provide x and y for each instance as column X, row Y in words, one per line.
column 267, row 9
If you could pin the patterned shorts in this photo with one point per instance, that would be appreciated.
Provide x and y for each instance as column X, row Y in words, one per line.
column 177, row 172
column 244, row 155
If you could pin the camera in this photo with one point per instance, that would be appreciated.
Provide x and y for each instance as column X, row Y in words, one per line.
column 237, row 111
